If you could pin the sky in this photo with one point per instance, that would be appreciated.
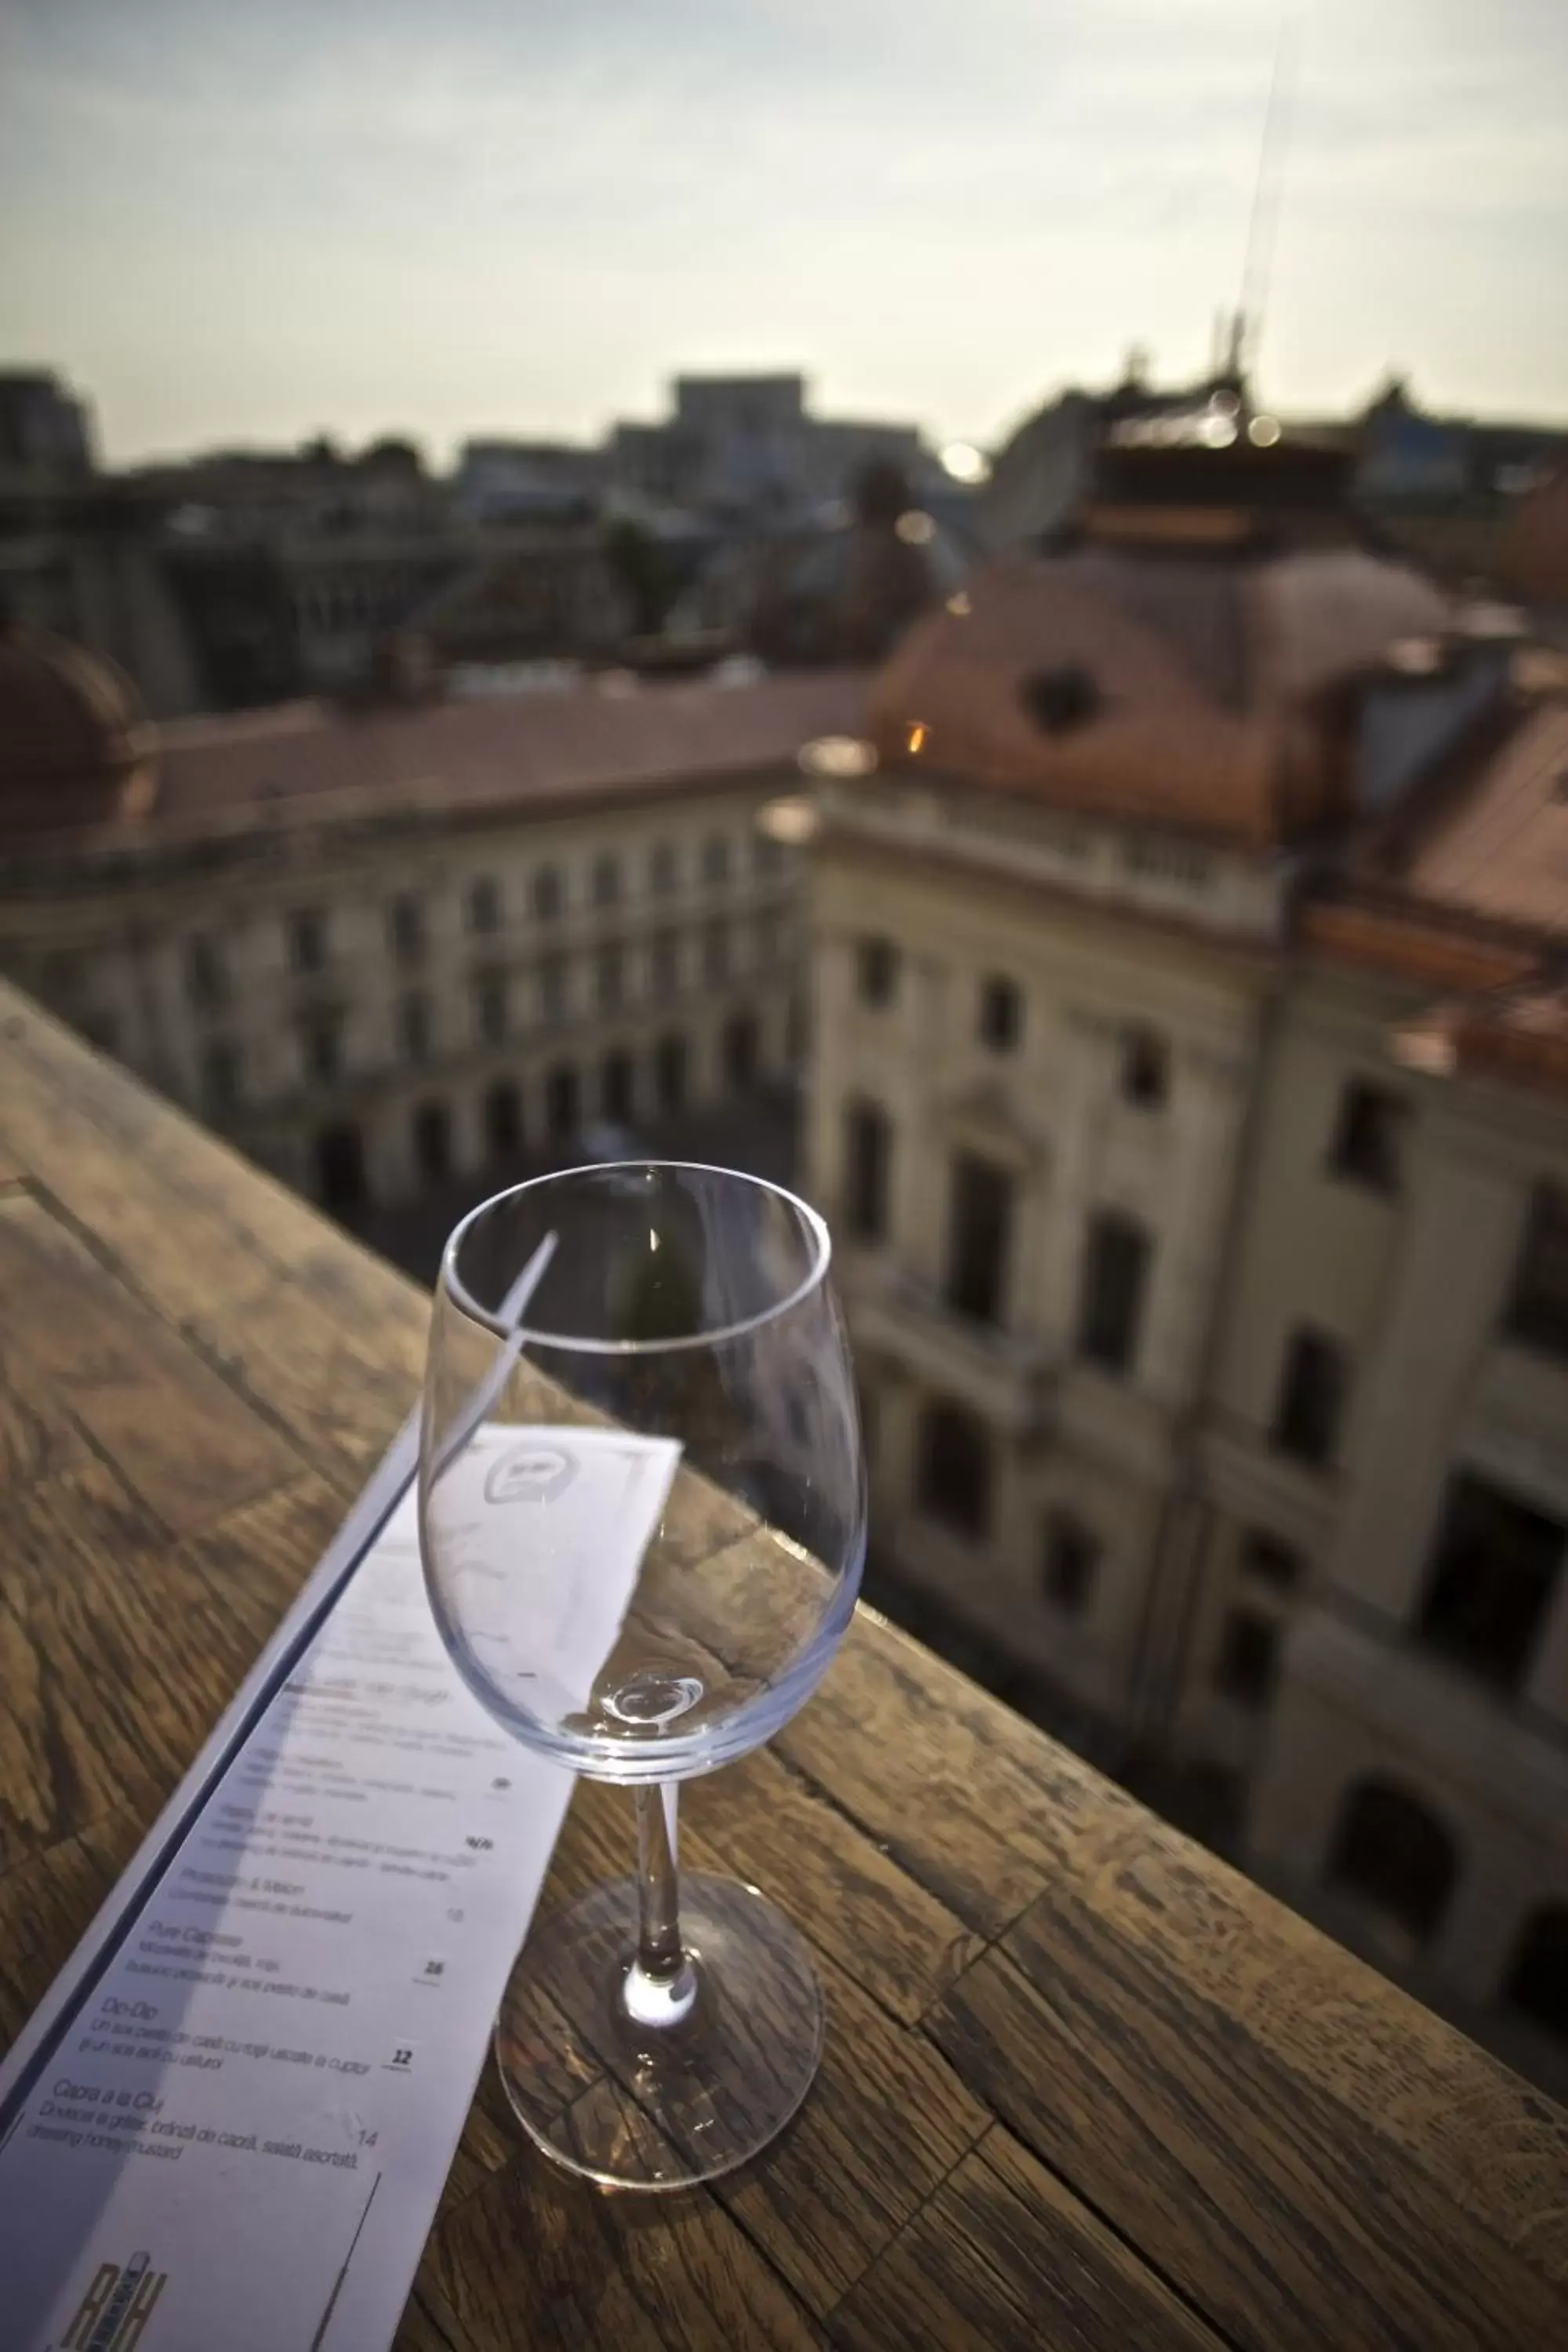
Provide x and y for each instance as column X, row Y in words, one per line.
column 241, row 225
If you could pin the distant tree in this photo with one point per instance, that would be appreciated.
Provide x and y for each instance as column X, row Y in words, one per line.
column 394, row 454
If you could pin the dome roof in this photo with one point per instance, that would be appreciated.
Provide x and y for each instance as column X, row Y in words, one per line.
column 74, row 743
column 1198, row 693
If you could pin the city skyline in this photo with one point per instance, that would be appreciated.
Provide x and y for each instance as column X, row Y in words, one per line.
column 503, row 224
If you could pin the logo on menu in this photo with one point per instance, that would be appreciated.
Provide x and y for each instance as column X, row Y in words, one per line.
column 116, row 2307
column 531, row 1473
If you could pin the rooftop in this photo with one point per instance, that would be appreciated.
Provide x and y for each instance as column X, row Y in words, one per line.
column 611, row 738
column 1200, row 677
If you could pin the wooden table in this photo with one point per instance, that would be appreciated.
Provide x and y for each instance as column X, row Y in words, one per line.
column 1083, row 2086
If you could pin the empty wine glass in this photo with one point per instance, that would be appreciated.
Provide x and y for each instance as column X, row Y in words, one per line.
column 642, row 1518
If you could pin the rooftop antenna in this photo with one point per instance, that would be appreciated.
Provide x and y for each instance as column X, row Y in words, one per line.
column 1247, row 324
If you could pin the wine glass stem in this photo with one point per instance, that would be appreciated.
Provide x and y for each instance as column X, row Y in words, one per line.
column 659, row 1985
column 658, row 1881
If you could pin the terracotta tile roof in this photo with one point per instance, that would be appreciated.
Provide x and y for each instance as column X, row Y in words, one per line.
column 304, row 763
column 1474, row 906
column 1211, row 675
column 1501, row 850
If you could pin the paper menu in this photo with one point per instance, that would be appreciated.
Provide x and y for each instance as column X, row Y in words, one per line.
column 242, row 2135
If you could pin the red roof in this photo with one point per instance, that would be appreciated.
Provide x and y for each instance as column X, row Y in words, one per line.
column 304, row 763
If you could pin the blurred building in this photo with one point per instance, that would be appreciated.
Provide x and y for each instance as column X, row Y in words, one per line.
column 746, row 448
column 1186, row 1099
column 380, row 951
column 238, row 581
column 527, row 481
column 46, row 432
column 841, row 587
column 1046, row 467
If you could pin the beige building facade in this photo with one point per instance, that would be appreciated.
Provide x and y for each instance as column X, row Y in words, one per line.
column 385, row 953
column 1200, row 1177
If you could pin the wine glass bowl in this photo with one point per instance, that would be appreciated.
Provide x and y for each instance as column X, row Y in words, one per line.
column 642, row 1520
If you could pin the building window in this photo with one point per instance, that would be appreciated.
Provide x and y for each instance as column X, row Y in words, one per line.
column 669, row 1073
column 1366, row 1145
column 503, row 1120
column 867, row 1167
column 876, row 971
column 663, row 869
column 767, row 854
column 220, row 1078
column 769, row 934
column 608, row 966
column 954, row 1472
column 1312, row 1389
column 1069, row 1557
column 553, row 989
column 1001, row 1015
column 664, row 963
column 207, row 973
column 606, row 880
column 716, row 951
column 1538, row 1310
column 1494, row 1571
column 432, row 1131
column 1145, row 1069
column 561, row 1101
column 716, row 858
column 484, row 904
column 340, row 1167
column 405, row 927
column 1395, row 1855
column 740, row 1053
column 490, row 1010
column 1115, row 1276
column 1271, row 1562
column 307, row 940
column 1538, row 1982
column 615, row 1087
column 549, row 893
column 321, row 1046
column 980, row 1220
column 1248, row 1658
column 414, row 1028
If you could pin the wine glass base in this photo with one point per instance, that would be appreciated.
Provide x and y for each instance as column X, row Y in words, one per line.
column 660, row 2106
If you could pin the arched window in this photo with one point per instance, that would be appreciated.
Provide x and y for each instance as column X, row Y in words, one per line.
column 669, row 1073
column 1538, row 1982
column 1395, row 1854
column 432, row 1142
column 339, row 1166
column 503, row 1120
column 868, row 1164
column 615, row 1087
column 954, row 1470
column 561, row 1101
column 740, row 1053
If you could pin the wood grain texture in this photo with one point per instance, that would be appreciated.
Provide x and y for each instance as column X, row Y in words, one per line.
column 74, row 1332
column 1003, row 2254
column 1215, row 2125
column 537, row 2258
column 1264, row 2200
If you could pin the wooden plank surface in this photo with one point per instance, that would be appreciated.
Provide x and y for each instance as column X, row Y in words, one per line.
column 1082, row 2086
